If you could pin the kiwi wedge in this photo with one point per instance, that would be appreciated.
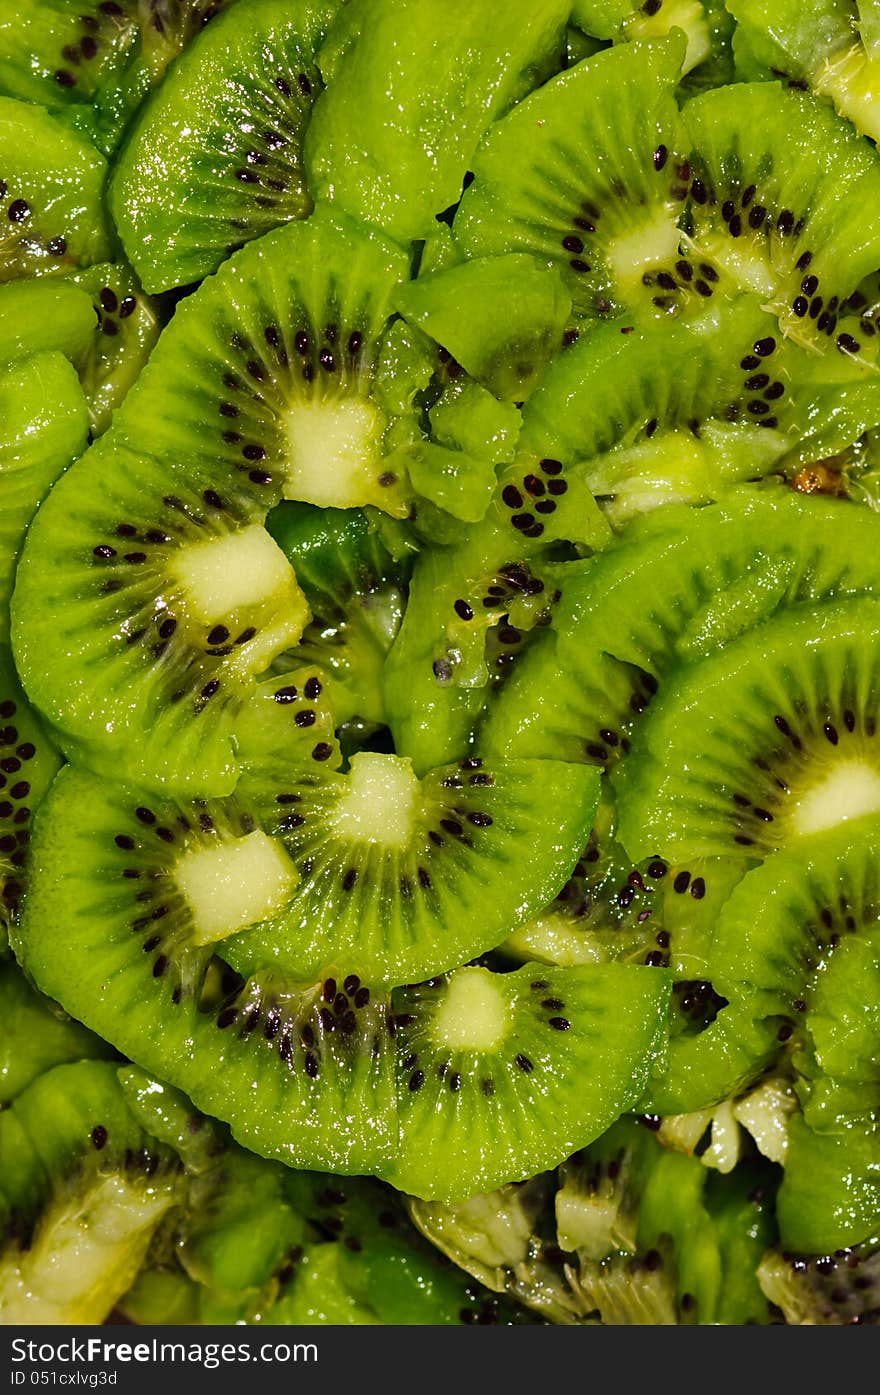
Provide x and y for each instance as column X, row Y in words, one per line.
column 37, row 1035
column 712, row 575
column 51, row 181
column 802, row 757
column 795, row 230
column 43, row 316
column 171, row 586
column 267, row 1057
column 630, row 19
column 459, row 308
column 83, row 1192
column 420, row 119
column 597, row 198
column 830, row 1192
column 227, row 125
column 482, row 1057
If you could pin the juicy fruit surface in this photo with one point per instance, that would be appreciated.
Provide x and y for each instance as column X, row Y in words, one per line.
column 439, row 661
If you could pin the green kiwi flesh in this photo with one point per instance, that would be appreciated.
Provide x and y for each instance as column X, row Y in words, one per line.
column 802, row 760
column 418, row 125
column 45, row 427
column 120, row 343
column 29, row 760
column 839, row 1289
column 227, row 124
column 36, row 1035
column 566, row 1046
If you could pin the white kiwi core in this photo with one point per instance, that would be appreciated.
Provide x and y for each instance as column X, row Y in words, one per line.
column 849, row 790
column 382, row 801
column 474, row 1013
column 234, row 884
column 333, row 451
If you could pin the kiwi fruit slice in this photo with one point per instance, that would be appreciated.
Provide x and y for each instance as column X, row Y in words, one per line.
column 404, row 878
column 172, row 587
column 120, row 343
column 277, row 362
column 37, row 1035
column 355, row 590
column 651, row 416
column 419, row 123
column 600, row 200
column 29, row 760
column 796, row 758
column 459, row 308
column 323, row 1097
column 84, row 1190
column 796, row 231
column 796, row 945
column 45, row 427
column 566, row 1047
column 840, row 1289
column 52, row 182
column 827, row 44
column 712, row 575
column 227, row 125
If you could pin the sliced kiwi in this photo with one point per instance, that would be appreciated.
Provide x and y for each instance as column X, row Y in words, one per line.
column 83, row 1191
column 51, row 181
column 276, row 363
column 151, row 601
column 227, row 125
column 36, row 1035
column 761, row 744
column 834, row 1290
column 634, row 19
column 354, row 587
column 404, row 878
column 779, row 202
column 796, row 944
column 45, row 427
column 711, row 575
column 599, row 199
column 302, row 1072
column 121, row 342
column 650, row 416
column 824, row 43
column 504, row 1075
column 416, row 129
column 501, row 318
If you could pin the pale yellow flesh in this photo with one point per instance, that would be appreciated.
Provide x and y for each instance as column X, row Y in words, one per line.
column 234, row 884
column 474, row 1014
column 849, row 790
column 333, row 451
column 382, row 801
column 85, row 1255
